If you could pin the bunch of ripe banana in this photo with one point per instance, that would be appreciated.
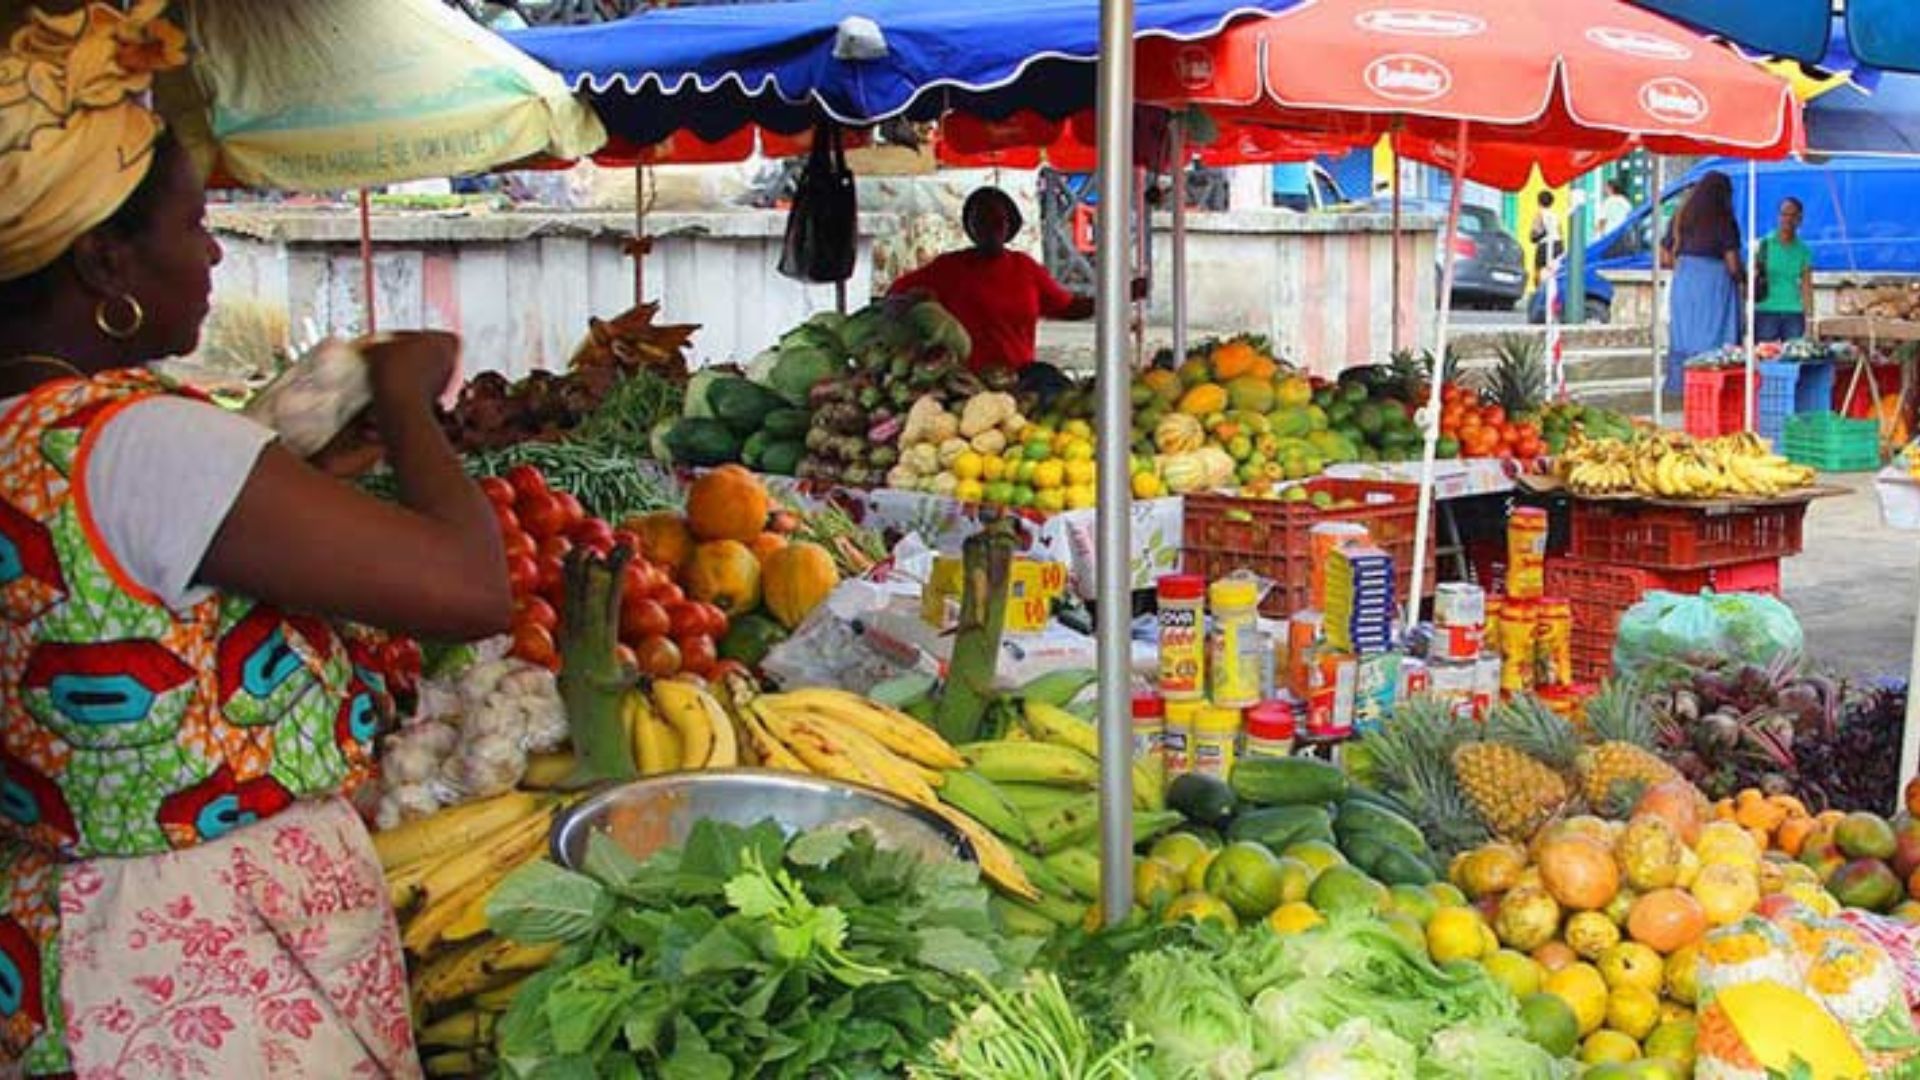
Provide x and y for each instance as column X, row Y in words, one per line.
column 440, row 871
column 1673, row 465
column 1034, row 789
column 677, row 726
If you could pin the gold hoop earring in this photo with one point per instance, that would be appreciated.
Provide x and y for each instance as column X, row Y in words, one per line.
column 135, row 321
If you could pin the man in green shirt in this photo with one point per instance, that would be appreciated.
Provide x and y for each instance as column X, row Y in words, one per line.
column 1780, row 313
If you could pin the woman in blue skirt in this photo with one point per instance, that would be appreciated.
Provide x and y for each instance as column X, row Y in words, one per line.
column 1703, row 248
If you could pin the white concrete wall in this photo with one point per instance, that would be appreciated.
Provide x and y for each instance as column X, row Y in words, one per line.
column 519, row 288
column 1320, row 286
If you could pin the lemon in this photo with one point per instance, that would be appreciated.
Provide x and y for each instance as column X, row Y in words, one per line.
column 1078, row 450
column 1681, row 979
column 969, row 465
column 1584, row 991
column 1049, row 474
column 1294, row 917
column 969, row 491
column 1079, row 429
column 1081, row 497
column 1456, row 933
column 1604, row 1047
column 1518, row 972
column 1633, row 1011
column 1050, row 500
column 992, row 468
column 1147, row 486
column 1631, row 964
column 1447, row 895
column 1079, row 473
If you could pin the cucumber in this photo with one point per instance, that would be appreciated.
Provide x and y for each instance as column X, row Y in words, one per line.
column 1280, row 827
column 1395, row 865
column 1202, row 799
column 1294, row 781
column 1363, row 817
column 1386, row 800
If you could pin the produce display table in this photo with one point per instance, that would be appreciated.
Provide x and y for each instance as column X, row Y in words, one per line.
column 1462, row 478
column 943, row 523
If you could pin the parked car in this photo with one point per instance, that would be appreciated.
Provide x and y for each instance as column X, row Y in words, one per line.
column 1489, row 265
column 1306, row 186
column 1861, row 218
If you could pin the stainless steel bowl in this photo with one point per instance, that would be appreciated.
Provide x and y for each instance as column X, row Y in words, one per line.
column 668, row 806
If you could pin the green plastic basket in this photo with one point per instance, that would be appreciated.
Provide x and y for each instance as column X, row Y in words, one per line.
column 1832, row 443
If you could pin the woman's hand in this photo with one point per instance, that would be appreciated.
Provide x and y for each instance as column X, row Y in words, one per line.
column 412, row 368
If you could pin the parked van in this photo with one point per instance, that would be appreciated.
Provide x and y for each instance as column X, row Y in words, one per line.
column 1862, row 217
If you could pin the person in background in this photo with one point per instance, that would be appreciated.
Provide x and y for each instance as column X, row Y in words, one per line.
column 185, row 887
column 1547, row 238
column 998, row 294
column 1614, row 209
column 1784, row 291
column 1702, row 246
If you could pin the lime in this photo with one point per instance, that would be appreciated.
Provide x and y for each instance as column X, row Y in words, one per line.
column 1518, row 972
column 1550, row 1024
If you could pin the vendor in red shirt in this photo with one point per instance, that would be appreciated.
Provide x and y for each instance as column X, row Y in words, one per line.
column 1000, row 296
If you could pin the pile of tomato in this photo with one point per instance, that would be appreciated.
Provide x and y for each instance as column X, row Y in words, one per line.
column 662, row 631
column 1469, row 428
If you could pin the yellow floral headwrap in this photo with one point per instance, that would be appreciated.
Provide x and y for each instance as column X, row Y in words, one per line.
column 76, row 136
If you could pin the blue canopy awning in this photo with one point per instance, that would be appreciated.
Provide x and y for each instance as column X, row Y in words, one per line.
column 1882, row 121
column 1883, row 33
column 784, row 66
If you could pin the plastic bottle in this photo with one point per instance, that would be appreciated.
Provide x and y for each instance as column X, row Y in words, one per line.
column 1270, row 730
column 1215, row 743
column 1183, row 636
column 1177, row 749
column 1235, row 643
column 1149, row 727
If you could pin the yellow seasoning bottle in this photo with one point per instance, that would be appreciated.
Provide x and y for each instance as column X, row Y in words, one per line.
column 1234, row 645
column 1183, row 636
column 1215, row 743
column 1526, row 553
column 1176, row 749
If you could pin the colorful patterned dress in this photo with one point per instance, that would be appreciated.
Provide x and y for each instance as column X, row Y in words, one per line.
column 186, row 891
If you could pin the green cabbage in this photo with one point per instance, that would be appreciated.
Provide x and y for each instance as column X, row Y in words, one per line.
column 1357, row 1050
column 1485, row 1051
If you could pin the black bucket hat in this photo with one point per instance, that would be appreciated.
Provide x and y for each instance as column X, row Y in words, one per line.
column 979, row 199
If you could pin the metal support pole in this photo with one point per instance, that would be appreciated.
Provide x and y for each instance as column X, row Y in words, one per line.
column 1446, row 252
column 1142, row 265
column 367, row 285
column 1430, row 421
column 1753, row 252
column 1576, row 253
column 1113, row 516
column 639, row 234
column 1179, row 244
column 1656, row 318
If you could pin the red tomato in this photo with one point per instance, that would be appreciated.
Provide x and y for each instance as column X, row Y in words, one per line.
column 668, row 594
column 526, row 480
column 1529, row 448
column 532, row 609
column 642, row 577
column 686, row 618
column 657, row 656
column 519, row 543
column 642, row 618
column 697, row 654
column 714, row 621
column 508, row 521
column 1494, row 414
column 592, row 534
column 498, row 492
column 542, row 514
column 626, row 657
column 573, row 513
column 534, row 644
column 555, row 547
column 552, row 575
column 628, row 539
column 523, row 573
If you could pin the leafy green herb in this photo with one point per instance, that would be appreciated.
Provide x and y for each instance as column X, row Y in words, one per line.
column 740, row 954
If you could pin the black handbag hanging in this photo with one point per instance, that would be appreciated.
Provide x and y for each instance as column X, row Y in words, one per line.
column 822, row 241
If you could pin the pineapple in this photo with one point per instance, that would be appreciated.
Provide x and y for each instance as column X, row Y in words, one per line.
column 1411, row 756
column 1510, row 786
column 1518, row 380
column 1621, row 766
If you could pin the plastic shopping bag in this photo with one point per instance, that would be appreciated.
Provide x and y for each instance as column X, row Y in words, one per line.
column 1667, row 634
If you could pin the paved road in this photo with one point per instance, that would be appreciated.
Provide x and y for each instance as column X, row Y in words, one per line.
column 1856, row 585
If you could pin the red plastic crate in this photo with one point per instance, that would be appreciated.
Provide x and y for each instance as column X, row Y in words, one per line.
column 1601, row 594
column 1225, row 533
column 1716, row 400
column 1684, row 537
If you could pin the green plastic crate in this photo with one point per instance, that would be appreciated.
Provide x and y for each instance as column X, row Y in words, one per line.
column 1832, row 443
